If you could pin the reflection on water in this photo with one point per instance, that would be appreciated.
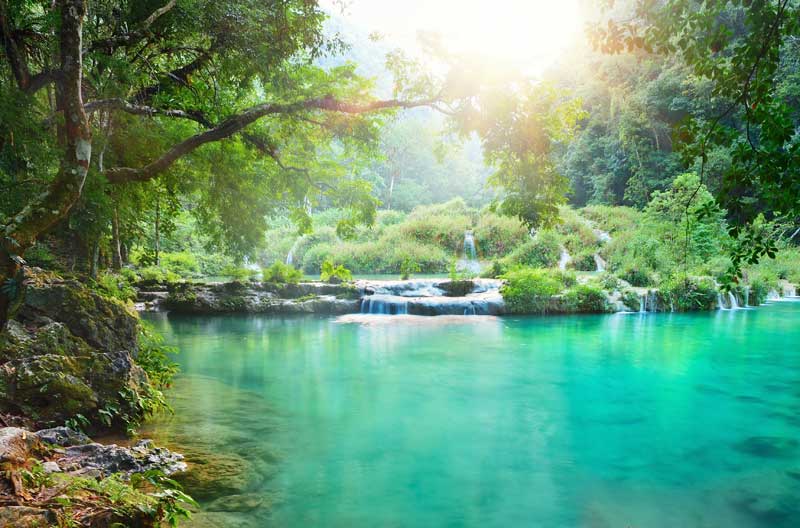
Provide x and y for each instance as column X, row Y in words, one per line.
column 598, row 421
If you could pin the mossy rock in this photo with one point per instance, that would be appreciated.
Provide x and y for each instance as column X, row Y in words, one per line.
column 457, row 288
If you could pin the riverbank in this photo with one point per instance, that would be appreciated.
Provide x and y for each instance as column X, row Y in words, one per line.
column 528, row 294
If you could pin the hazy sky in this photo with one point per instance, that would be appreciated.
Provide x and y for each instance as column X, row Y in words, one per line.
column 530, row 33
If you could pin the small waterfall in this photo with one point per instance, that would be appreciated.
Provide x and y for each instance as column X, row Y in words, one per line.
column 643, row 303
column 564, row 259
column 747, row 296
column 652, row 301
column 720, row 302
column 733, row 302
column 789, row 290
column 470, row 262
column 599, row 263
column 384, row 305
column 290, row 255
column 773, row 295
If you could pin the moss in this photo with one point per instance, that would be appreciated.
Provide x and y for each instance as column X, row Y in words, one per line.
column 457, row 288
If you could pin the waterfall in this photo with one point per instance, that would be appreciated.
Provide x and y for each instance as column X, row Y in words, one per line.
column 747, row 296
column 384, row 305
column 652, row 301
column 599, row 263
column 290, row 255
column 733, row 301
column 470, row 262
column 773, row 295
column 564, row 259
column 643, row 303
column 720, row 302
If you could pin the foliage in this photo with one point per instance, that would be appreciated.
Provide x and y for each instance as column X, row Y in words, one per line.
column 155, row 357
column 541, row 251
column 280, row 273
column 238, row 273
column 407, row 267
column 586, row 298
column 497, row 235
column 334, row 273
column 529, row 290
column 684, row 294
column 150, row 497
column 117, row 286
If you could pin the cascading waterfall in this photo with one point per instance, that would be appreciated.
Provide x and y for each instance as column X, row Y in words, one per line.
column 564, row 259
column 720, row 302
column 470, row 262
column 429, row 297
column 643, row 303
column 599, row 263
column 734, row 304
column 746, row 296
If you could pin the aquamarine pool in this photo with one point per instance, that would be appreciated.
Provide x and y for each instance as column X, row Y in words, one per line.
column 617, row 421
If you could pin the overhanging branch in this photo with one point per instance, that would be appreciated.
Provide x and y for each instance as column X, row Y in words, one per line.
column 238, row 122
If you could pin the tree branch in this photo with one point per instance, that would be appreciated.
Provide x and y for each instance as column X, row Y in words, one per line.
column 16, row 58
column 238, row 122
column 144, row 110
column 136, row 35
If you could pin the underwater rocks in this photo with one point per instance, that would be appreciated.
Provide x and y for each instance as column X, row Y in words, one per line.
column 68, row 352
column 239, row 297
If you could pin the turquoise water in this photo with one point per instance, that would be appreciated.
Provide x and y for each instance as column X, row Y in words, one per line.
column 600, row 421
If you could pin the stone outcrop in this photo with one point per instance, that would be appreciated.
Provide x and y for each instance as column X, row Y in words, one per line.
column 252, row 297
column 69, row 352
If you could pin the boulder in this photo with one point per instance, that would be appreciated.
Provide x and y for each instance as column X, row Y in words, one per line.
column 16, row 446
column 103, row 460
column 69, row 351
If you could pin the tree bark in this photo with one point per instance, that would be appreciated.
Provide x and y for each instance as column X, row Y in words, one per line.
column 116, row 249
column 45, row 210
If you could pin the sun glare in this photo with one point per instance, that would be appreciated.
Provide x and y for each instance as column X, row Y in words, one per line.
column 527, row 33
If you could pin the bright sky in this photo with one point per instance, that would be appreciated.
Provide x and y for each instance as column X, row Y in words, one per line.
column 528, row 33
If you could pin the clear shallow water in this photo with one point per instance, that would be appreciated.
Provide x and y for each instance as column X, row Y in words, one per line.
column 599, row 421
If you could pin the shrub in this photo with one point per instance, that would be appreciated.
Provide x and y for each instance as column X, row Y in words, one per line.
column 116, row 286
column 529, row 290
column 41, row 256
column 237, row 273
column 584, row 261
column 685, row 294
column 637, row 277
column 542, row 251
column 497, row 236
column 281, row 273
column 334, row 274
column 494, row 271
column 586, row 298
column 183, row 264
column 407, row 267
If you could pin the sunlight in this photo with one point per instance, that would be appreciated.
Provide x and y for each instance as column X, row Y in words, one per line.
column 529, row 34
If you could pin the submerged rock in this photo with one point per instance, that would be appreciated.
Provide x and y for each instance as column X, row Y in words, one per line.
column 769, row 446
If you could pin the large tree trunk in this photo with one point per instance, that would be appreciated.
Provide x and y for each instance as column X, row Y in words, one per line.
column 52, row 205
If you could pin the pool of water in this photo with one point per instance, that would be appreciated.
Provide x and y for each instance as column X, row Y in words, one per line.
column 616, row 421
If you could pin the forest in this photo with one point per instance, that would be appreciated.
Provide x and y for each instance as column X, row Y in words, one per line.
column 165, row 161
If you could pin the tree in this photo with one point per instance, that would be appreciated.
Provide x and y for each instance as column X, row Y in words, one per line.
column 746, row 50
column 174, row 77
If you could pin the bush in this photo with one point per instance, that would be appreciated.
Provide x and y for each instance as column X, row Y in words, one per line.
column 637, row 277
column 183, row 264
column 529, row 290
column 495, row 270
column 584, row 261
column 407, row 267
column 542, row 251
column 686, row 294
column 586, row 298
column 116, row 286
column 334, row 274
column 157, row 274
column 237, row 273
column 497, row 236
column 280, row 273
column 41, row 256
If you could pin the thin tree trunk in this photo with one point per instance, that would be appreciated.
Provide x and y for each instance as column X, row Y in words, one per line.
column 94, row 259
column 158, row 234
column 116, row 249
